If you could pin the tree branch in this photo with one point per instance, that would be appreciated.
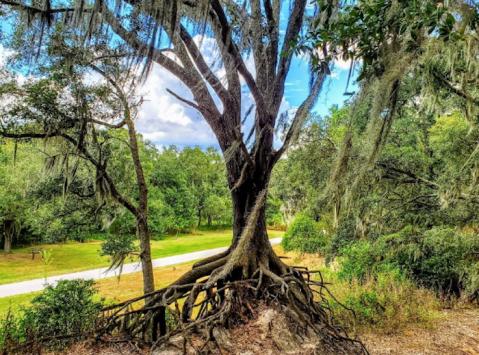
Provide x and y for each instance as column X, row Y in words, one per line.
column 204, row 69
column 428, row 183
column 178, row 97
column 236, row 56
column 294, row 26
column 301, row 115
column 35, row 10
column 109, row 125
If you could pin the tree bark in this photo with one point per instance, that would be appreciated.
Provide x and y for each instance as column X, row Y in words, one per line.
column 142, row 210
column 7, row 249
column 244, row 200
column 145, row 256
column 9, row 231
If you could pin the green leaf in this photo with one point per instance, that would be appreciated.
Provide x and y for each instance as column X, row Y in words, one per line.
column 450, row 20
column 414, row 35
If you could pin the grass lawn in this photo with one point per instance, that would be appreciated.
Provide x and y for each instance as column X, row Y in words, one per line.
column 129, row 286
column 14, row 302
column 69, row 258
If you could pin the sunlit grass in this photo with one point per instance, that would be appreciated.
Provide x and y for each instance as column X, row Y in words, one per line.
column 114, row 290
column 13, row 303
column 76, row 257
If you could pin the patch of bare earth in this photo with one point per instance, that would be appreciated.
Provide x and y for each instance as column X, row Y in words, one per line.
column 457, row 333
column 269, row 332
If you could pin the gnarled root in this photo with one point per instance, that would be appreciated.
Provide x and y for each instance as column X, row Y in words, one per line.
column 212, row 298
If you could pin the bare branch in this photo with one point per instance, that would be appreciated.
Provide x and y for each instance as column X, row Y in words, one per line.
column 301, row 115
column 204, row 69
column 109, row 125
column 294, row 26
column 236, row 56
column 178, row 97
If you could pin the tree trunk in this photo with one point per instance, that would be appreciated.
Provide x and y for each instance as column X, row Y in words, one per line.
column 244, row 200
column 145, row 256
column 9, row 231
column 337, row 209
column 7, row 249
column 142, row 210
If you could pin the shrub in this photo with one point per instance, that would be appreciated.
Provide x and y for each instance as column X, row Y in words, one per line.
column 70, row 308
column 357, row 261
column 303, row 236
column 342, row 238
column 387, row 301
column 442, row 259
column 118, row 248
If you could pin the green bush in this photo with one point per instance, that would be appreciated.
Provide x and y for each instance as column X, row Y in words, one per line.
column 119, row 246
column 357, row 261
column 303, row 236
column 342, row 238
column 385, row 301
column 68, row 308
column 71, row 308
column 442, row 259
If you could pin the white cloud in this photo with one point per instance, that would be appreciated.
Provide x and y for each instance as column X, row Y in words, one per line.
column 4, row 53
column 342, row 64
column 165, row 120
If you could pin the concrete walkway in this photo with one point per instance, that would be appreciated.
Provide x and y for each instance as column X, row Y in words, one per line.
column 96, row 274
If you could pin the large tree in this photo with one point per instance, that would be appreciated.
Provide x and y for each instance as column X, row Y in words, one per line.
column 163, row 33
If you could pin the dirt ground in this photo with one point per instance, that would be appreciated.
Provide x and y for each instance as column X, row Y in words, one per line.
column 457, row 333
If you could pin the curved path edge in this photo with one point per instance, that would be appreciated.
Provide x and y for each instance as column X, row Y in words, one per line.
column 23, row 287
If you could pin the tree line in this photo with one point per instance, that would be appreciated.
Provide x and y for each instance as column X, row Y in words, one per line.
column 187, row 190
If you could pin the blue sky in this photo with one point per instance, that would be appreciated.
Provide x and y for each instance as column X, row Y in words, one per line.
column 165, row 121
column 333, row 90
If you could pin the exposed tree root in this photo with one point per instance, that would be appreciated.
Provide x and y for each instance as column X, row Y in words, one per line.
column 223, row 291
column 223, row 302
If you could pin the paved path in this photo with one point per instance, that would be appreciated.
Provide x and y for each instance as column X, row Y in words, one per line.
column 96, row 274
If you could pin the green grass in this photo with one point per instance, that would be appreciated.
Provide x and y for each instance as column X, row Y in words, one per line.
column 190, row 243
column 13, row 303
column 77, row 257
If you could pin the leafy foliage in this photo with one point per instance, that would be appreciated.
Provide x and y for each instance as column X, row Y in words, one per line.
column 69, row 308
column 303, row 236
column 118, row 248
column 441, row 258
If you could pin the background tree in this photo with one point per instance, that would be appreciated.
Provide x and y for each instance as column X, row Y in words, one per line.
column 18, row 180
column 63, row 107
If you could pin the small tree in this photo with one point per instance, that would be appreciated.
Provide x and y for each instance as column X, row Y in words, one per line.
column 63, row 107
